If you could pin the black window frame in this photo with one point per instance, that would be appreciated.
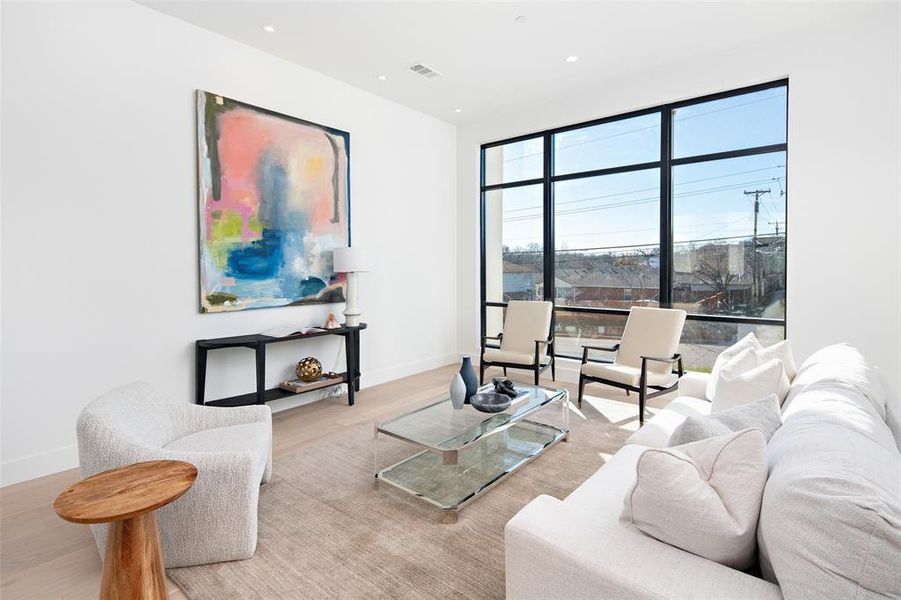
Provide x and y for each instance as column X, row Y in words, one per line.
column 666, row 163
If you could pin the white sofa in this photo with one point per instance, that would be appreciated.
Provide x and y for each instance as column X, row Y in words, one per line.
column 830, row 524
column 216, row 520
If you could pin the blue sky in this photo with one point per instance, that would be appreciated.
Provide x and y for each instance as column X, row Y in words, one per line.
column 623, row 209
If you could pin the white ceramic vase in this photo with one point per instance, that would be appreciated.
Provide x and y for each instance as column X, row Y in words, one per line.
column 457, row 391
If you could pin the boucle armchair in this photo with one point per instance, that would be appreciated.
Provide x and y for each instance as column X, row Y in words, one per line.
column 216, row 520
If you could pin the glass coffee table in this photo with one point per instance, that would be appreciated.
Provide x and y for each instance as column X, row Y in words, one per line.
column 465, row 452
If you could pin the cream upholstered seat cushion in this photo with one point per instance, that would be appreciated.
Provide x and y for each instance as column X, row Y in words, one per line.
column 519, row 358
column 524, row 323
column 625, row 374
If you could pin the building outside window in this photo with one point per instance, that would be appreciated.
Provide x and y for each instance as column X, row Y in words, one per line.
column 682, row 206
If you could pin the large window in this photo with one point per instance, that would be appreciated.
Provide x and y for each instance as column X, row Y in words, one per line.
column 682, row 205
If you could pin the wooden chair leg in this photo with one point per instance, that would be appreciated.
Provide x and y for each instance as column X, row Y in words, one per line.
column 481, row 373
column 553, row 370
column 505, row 371
column 536, row 375
column 627, row 392
column 640, row 408
column 581, row 389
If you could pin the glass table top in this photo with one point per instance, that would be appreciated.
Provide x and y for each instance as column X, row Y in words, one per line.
column 482, row 464
column 441, row 427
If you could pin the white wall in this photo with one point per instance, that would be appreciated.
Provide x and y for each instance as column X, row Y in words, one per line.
column 99, row 232
column 843, row 173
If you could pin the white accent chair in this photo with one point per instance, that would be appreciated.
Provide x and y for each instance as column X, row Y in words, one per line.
column 216, row 520
column 644, row 357
column 527, row 341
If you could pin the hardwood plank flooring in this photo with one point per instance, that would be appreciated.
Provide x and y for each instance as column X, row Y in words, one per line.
column 42, row 556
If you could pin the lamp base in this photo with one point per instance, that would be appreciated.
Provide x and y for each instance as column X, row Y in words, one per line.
column 351, row 319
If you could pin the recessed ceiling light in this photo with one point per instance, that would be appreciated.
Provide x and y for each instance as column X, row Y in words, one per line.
column 572, row 59
column 381, row 77
column 458, row 110
column 520, row 19
column 268, row 28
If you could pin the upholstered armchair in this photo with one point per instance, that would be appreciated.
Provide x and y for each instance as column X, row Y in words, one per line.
column 216, row 520
column 645, row 356
column 527, row 341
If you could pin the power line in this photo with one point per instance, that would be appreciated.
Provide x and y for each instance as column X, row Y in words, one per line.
column 626, row 193
column 624, row 203
column 622, row 133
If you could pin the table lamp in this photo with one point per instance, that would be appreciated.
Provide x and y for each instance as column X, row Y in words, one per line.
column 351, row 261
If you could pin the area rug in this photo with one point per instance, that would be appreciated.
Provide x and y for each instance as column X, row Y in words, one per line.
column 326, row 531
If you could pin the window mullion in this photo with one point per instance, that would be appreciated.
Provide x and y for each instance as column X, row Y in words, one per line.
column 549, row 256
column 666, row 208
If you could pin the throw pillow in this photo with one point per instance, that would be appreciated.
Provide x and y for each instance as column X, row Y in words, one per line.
column 749, row 341
column 738, row 363
column 781, row 351
column 762, row 414
column 735, row 386
column 703, row 497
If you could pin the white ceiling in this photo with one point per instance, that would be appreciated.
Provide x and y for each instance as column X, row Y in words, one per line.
column 488, row 61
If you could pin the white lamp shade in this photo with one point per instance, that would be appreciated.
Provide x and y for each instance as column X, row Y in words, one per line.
column 350, row 260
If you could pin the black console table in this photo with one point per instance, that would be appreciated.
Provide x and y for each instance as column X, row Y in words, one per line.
column 258, row 342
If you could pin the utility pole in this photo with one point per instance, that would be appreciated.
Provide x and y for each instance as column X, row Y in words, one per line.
column 757, row 194
column 776, row 225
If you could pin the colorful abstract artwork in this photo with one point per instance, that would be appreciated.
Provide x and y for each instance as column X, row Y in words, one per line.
column 274, row 202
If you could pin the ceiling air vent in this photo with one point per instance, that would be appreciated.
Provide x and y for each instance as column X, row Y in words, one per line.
column 425, row 71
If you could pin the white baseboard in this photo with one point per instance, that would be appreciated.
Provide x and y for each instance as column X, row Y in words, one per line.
column 37, row 465
column 404, row 370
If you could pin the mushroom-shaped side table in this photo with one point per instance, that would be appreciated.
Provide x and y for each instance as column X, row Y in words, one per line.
column 127, row 498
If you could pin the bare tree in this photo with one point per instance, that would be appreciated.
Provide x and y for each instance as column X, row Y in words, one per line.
column 713, row 270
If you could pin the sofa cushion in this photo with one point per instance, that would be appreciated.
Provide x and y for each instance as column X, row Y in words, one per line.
column 763, row 414
column 657, row 430
column 703, row 497
column 840, row 365
column 736, row 384
column 830, row 522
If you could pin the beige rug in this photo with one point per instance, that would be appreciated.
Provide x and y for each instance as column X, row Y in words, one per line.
column 325, row 531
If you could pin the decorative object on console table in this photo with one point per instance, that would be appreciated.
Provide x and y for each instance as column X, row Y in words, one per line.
column 457, row 391
column 257, row 343
column 468, row 373
column 126, row 498
column 270, row 187
column 351, row 261
column 309, row 369
column 299, row 386
column 331, row 322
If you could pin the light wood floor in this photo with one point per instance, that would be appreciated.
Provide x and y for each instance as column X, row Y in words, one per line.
column 42, row 556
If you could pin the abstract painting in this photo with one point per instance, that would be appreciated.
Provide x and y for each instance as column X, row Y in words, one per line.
column 274, row 202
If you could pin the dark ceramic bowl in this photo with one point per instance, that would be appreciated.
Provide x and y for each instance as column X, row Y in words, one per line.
column 490, row 402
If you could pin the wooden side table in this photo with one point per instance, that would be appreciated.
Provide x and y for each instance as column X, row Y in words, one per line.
column 126, row 498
